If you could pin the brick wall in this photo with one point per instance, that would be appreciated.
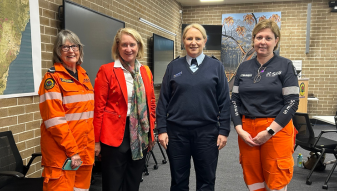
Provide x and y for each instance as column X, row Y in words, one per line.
column 320, row 65
column 22, row 116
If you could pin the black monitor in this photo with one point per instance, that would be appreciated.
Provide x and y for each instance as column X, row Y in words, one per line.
column 213, row 36
column 95, row 30
column 162, row 55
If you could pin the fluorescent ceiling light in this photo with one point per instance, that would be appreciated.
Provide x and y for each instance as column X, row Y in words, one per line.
column 210, row 0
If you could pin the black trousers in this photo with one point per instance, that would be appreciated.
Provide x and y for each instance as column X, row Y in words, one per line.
column 200, row 143
column 119, row 171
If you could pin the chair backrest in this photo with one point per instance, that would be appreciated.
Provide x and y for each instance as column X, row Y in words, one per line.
column 10, row 158
column 302, row 124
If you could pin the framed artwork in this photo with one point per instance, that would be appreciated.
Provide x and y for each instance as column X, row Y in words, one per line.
column 236, row 40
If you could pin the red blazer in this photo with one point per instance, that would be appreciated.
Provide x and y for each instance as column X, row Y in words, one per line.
column 111, row 106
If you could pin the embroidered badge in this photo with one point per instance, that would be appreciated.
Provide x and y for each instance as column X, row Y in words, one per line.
column 86, row 80
column 246, row 75
column 178, row 74
column 273, row 74
column 49, row 83
column 67, row 80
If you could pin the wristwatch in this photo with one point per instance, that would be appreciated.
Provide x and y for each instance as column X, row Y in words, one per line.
column 271, row 131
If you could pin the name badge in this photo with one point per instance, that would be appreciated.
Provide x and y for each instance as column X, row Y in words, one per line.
column 67, row 80
column 246, row 75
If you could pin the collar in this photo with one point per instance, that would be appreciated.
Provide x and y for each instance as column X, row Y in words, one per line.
column 60, row 67
column 118, row 64
column 267, row 63
column 199, row 58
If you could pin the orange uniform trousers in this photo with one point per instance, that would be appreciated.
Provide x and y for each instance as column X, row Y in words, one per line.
column 270, row 164
column 67, row 180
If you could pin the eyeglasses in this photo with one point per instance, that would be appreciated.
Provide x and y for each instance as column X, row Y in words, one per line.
column 66, row 48
column 257, row 78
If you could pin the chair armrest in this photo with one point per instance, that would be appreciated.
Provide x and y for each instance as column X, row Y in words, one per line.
column 328, row 131
column 26, row 167
column 320, row 135
column 11, row 173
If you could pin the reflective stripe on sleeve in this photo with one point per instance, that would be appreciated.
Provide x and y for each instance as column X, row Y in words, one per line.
column 78, row 98
column 50, row 95
column 256, row 186
column 290, row 90
column 79, row 116
column 235, row 89
column 80, row 189
column 55, row 121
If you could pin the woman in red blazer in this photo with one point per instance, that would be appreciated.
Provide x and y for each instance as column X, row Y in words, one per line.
column 124, row 113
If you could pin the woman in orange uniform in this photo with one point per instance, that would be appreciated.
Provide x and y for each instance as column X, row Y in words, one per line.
column 67, row 108
column 124, row 113
column 264, row 99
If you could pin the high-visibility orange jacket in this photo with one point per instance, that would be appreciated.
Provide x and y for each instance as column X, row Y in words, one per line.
column 67, row 108
column 111, row 103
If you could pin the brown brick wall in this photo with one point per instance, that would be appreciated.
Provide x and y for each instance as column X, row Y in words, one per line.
column 22, row 116
column 320, row 65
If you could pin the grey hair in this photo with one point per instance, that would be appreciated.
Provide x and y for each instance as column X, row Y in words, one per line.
column 61, row 38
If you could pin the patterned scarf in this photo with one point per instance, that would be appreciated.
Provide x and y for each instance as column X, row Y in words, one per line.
column 139, row 122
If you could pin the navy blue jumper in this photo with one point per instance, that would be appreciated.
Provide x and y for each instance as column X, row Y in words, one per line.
column 193, row 109
column 196, row 99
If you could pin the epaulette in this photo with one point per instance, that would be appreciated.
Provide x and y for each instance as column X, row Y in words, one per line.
column 51, row 70
column 176, row 58
column 214, row 57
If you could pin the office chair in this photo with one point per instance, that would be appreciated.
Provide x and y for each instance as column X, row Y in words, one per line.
column 325, row 185
column 12, row 170
column 307, row 140
column 164, row 161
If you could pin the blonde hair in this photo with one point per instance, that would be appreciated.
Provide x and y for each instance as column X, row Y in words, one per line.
column 61, row 38
column 265, row 24
column 117, row 39
column 196, row 26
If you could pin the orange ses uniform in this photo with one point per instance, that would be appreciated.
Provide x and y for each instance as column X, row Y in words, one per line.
column 67, row 108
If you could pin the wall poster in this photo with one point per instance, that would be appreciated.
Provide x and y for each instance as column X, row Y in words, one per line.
column 236, row 44
column 20, row 48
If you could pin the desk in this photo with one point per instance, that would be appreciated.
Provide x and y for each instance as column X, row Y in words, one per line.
column 327, row 119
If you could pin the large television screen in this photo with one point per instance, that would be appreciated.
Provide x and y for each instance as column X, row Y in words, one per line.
column 95, row 30
column 213, row 36
column 163, row 54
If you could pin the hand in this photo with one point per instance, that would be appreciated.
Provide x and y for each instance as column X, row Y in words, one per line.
column 262, row 137
column 247, row 138
column 75, row 161
column 151, row 143
column 222, row 141
column 163, row 140
column 97, row 148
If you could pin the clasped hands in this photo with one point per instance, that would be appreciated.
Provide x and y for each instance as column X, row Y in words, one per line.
column 258, row 140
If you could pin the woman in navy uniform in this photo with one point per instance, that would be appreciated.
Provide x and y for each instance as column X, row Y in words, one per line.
column 193, row 116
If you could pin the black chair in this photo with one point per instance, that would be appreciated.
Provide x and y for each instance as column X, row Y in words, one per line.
column 164, row 161
column 325, row 185
column 12, row 170
column 307, row 140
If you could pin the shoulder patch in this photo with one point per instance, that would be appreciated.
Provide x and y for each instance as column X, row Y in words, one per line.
column 214, row 57
column 51, row 70
column 49, row 83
